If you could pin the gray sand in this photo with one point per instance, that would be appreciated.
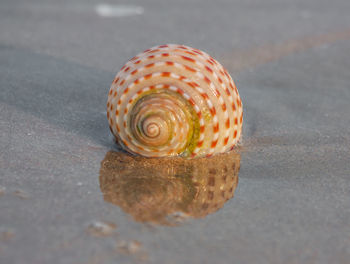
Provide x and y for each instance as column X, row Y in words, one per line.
column 291, row 63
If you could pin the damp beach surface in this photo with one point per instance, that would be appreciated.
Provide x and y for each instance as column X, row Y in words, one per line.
column 68, row 194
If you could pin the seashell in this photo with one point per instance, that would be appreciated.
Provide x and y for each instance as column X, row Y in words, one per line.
column 174, row 100
column 168, row 191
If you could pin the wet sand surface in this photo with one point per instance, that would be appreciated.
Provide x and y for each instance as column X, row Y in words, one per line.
column 69, row 195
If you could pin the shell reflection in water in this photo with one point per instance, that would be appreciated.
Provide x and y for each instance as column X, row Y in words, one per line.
column 169, row 190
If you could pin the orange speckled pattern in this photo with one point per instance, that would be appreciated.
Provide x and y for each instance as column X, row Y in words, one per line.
column 174, row 100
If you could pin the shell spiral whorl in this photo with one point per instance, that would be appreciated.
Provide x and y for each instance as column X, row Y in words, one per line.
column 174, row 100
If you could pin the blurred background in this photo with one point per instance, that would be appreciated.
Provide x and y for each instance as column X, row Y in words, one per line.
column 291, row 64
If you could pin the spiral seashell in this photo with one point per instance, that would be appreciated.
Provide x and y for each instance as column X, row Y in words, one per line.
column 174, row 100
column 177, row 190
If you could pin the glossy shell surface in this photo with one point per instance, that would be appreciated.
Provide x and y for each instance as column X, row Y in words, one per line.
column 174, row 100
